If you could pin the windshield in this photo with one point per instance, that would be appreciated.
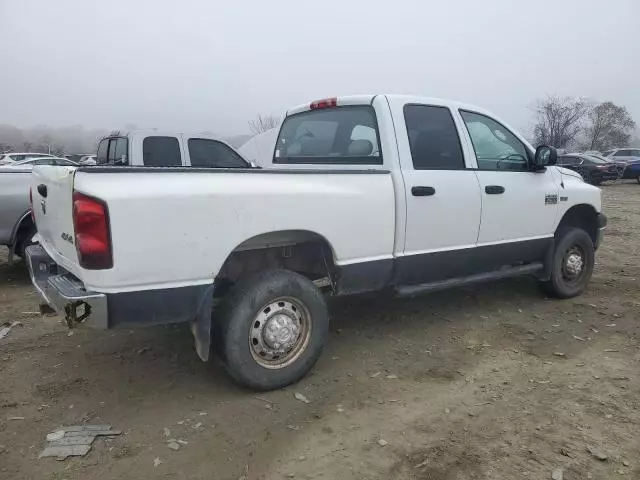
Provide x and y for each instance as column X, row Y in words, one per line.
column 339, row 135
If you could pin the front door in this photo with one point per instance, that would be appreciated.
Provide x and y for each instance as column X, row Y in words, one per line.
column 442, row 196
column 518, row 205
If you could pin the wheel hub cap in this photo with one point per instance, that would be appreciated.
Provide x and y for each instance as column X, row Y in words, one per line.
column 574, row 264
column 281, row 333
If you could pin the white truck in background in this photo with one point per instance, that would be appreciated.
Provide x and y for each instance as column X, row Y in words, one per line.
column 371, row 192
column 157, row 148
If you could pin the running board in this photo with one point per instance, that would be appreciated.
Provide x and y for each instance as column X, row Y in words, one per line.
column 410, row 290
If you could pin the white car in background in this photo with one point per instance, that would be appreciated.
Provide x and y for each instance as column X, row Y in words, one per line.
column 88, row 160
column 8, row 158
column 29, row 163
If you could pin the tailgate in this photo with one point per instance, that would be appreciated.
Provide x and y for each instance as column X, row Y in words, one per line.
column 52, row 190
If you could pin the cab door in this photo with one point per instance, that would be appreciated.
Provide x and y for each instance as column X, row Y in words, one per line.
column 442, row 195
column 519, row 205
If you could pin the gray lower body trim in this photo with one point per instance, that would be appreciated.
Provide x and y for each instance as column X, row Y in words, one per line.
column 63, row 292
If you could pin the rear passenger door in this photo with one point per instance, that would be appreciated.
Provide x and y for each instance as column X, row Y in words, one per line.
column 442, row 195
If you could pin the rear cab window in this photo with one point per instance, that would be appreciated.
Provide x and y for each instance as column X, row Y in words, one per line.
column 345, row 135
column 160, row 151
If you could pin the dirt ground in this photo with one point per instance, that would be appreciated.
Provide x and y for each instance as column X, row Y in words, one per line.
column 494, row 381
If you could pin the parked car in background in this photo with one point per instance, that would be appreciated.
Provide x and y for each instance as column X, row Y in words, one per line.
column 152, row 148
column 88, row 160
column 6, row 158
column 29, row 163
column 631, row 156
column 16, row 224
column 363, row 193
column 259, row 149
column 593, row 169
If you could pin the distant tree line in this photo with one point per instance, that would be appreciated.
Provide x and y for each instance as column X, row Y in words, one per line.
column 43, row 139
column 577, row 123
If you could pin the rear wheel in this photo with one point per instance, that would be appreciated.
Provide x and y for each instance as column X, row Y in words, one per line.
column 271, row 330
column 572, row 263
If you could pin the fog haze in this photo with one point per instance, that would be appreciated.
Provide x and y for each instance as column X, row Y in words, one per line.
column 197, row 65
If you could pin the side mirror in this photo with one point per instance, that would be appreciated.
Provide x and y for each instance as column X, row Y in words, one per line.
column 545, row 157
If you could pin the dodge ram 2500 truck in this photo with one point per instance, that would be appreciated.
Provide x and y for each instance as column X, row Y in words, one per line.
column 364, row 193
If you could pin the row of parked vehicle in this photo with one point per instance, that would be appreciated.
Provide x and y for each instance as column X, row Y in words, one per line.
column 26, row 160
column 596, row 167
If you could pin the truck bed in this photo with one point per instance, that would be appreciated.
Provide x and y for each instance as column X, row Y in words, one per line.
column 174, row 227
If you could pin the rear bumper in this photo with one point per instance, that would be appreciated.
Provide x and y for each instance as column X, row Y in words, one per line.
column 65, row 293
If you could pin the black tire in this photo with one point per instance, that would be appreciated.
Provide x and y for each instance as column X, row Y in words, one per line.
column 563, row 283
column 24, row 240
column 238, row 327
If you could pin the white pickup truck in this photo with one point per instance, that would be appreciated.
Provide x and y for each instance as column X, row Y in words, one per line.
column 365, row 193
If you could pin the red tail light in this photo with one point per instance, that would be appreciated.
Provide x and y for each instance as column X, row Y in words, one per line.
column 93, row 238
column 325, row 103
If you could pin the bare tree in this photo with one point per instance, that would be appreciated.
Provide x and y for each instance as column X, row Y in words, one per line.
column 262, row 123
column 559, row 120
column 609, row 126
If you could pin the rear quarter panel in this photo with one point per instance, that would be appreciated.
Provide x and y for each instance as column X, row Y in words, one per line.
column 176, row 228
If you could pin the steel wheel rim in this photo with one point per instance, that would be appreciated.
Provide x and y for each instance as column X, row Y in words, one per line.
column 573, row 264
column 279, row 333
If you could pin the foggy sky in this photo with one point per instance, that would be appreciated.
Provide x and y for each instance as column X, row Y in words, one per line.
column 213, row 65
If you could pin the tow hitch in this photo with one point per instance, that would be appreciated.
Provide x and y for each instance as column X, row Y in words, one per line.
column 76, row 312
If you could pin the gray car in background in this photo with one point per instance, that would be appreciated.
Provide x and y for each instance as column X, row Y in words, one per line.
column 16, row 224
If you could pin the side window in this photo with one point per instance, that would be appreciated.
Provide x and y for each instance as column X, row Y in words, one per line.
column 161, row 152
column 43, row 161
column 64, row 163
column 496, row 147
column 433, row 138
column 120, row 150
column 111, row 155
column 101, row 156
column 209, row 153
column 622, row 153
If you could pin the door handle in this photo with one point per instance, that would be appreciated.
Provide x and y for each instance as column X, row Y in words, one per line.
column 42, row 190
column 494, row 189
column 423, row 191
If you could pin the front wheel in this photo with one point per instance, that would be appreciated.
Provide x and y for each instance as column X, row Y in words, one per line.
column 572, row 264
column 271, row 330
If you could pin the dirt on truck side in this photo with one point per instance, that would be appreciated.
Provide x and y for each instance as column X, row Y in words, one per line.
column 494, row 381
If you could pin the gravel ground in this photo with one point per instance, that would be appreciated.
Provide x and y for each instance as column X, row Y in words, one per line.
column 494, row 381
